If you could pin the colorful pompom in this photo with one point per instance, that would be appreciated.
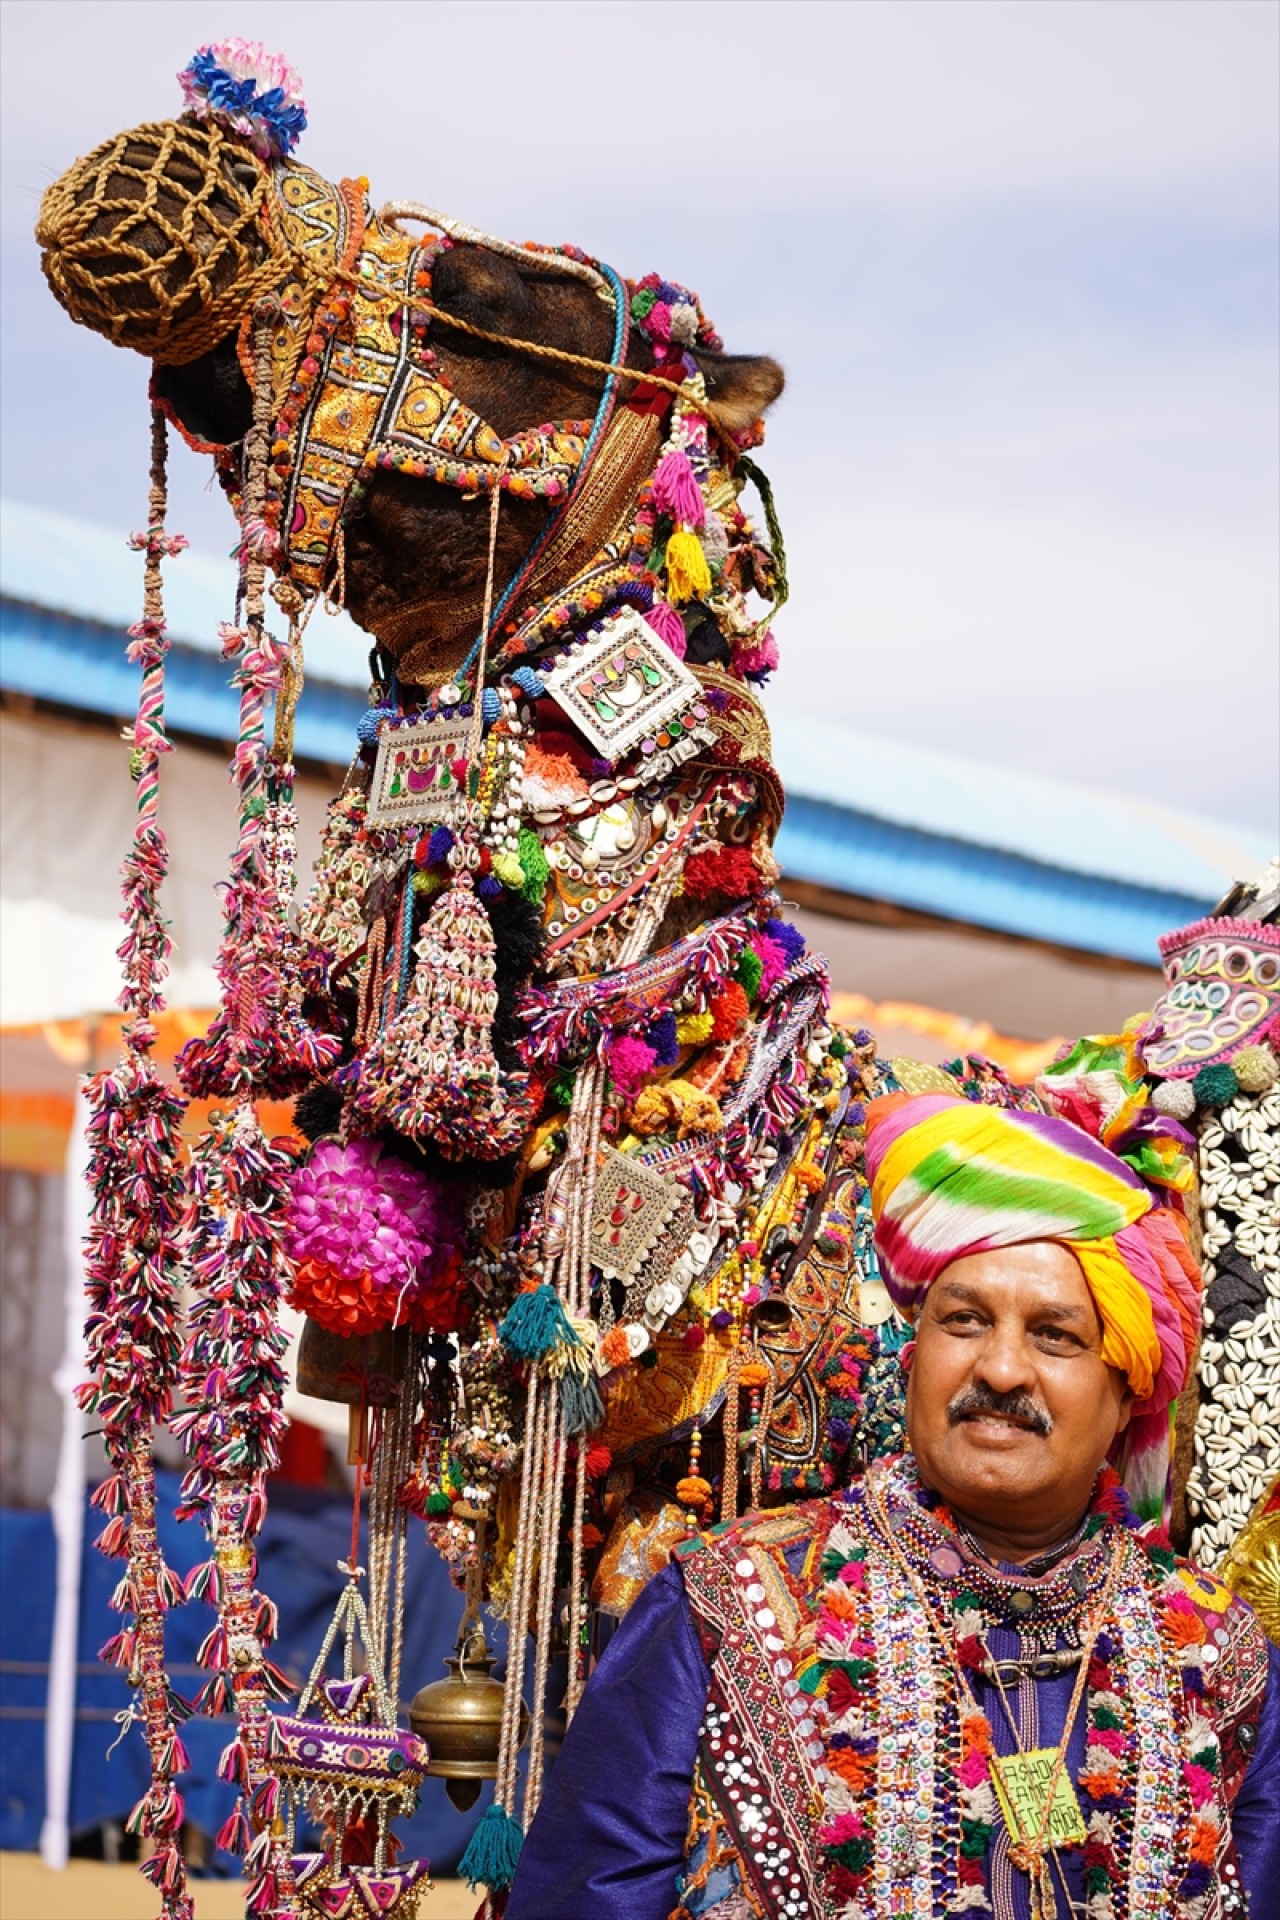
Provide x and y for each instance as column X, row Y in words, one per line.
column 669, row 627
column 252, row 92
column 1256, row 1069
column 1215, row 1086
column 729, row 1010
column 688, row 575
column 631, row 1063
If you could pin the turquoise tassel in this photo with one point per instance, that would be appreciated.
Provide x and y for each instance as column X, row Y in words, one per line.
column 493, row 1851
column 581, row 1402
column 535, row 1323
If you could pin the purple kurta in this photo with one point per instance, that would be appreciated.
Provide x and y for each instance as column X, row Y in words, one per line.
column 609, row 1838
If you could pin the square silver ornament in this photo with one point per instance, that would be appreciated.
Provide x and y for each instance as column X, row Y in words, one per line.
column 625, row 689
column 414, row 776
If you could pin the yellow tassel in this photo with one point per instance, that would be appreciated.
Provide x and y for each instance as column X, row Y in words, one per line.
column 688, row 574
column 508, row 869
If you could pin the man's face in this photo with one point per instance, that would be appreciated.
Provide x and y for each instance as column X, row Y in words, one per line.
column 1010, row 1405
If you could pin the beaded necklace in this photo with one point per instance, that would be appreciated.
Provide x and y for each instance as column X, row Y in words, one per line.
column 1154, row 1818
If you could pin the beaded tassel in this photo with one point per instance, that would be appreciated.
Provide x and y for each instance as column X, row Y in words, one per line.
column 431, row 1073
column 135, row 1247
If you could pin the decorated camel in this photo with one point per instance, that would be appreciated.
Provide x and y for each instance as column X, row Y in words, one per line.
column 575, row 1203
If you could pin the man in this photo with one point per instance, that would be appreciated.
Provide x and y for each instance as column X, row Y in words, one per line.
column 973, row 1683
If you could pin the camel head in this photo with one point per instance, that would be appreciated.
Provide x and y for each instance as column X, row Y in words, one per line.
column 168, row 238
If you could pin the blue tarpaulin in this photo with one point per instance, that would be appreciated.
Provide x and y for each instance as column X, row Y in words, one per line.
column 305, row 1536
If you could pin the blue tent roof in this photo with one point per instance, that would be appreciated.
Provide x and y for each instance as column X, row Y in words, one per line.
column 1025, row 854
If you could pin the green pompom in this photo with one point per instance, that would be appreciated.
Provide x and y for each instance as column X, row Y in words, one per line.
column 749, row 972
column 560, row 1092
column 1215, row 1086
column 534, row 862
column 438, row 1503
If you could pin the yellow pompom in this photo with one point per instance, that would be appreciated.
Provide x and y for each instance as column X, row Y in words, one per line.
column 693, row 1492
column 688, row 574
column 508, row 869
column 693, row 1028
column 676, row 1107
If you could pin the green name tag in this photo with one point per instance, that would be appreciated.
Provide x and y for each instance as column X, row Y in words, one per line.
column 1021, row 1783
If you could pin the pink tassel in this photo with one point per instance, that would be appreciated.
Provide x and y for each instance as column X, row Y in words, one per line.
column 265, row 1801
column 278, row 1685
column 259, row 1853
column 165, row 1869
column 676, row 490
column 113, row 1541
column 167, row 1809
column 204, row 1582
column 212, row 1651
column 172, row 1756
column 262, row 1894
column 216, row 1696
column 123, row 1600
column 668, row 626
column 118, row 1650
column 233, row 1765
column 235, row 1832
column 169, row 1588
column 111, row 1495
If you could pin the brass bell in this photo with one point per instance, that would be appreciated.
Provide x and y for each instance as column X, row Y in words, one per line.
column 461, row 1719
column 772, row 1314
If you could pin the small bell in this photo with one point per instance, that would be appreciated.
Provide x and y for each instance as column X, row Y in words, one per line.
column 461, row 1719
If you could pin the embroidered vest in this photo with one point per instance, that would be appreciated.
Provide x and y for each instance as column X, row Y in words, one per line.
column 753, row 1849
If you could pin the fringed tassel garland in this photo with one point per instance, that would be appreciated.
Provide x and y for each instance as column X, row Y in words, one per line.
column 135, row 1247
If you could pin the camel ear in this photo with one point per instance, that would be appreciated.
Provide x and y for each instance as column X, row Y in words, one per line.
column 741, row 384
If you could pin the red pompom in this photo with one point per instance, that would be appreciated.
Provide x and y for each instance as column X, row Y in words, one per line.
column 727, row 870
column 728, row 1011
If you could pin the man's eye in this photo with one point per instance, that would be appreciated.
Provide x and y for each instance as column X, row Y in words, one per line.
column 962, row 1322
column 1057, row 1336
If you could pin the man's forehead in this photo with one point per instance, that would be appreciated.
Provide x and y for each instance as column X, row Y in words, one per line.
column 1044, row 1296
column 1040, row 1274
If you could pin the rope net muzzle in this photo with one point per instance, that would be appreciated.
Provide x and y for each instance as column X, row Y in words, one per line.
column 157, row 238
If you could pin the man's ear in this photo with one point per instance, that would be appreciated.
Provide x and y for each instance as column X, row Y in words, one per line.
column 1126, row 1408
column 742, row 385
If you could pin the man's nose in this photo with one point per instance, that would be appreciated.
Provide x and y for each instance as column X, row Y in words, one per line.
column 1006, row 1362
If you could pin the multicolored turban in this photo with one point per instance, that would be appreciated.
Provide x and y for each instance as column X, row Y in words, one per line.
column 950, row 1177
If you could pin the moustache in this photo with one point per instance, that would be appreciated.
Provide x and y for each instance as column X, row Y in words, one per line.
column 1009, row 1406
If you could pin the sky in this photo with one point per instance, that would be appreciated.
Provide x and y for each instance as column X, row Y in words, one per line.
column 1019, row 259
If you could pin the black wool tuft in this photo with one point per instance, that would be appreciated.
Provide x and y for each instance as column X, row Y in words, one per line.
column 318, row 1110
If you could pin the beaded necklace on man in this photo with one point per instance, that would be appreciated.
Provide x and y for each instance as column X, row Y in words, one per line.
column 1150, row 1779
